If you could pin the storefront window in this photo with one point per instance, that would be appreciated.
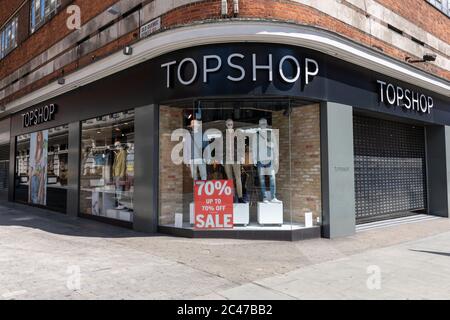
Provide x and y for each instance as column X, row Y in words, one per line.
column 250, row 165
column 41, row 168
column 107, row 166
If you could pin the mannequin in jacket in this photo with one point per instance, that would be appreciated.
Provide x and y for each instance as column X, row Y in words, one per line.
column 119, row 171
column 233, row 167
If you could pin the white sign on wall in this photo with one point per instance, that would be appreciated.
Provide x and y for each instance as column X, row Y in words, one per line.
column 151, row 27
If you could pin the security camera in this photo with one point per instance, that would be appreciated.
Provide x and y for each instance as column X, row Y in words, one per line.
column 429, row 57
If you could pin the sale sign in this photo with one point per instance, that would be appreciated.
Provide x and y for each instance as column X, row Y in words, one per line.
column 213, row 204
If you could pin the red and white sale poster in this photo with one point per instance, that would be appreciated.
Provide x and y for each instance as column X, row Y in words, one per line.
column 213, row 204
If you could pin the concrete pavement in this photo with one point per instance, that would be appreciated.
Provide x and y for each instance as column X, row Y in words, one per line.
column 46, row 255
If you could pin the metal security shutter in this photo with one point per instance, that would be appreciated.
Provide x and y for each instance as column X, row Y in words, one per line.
column 4, row 168
column 390, row 178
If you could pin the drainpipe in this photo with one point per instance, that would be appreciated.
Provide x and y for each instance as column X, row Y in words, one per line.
column 224, row 7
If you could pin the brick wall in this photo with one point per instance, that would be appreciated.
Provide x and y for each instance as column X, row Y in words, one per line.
column 171, row 175
column 55, row 29
column 422, row 14
column 7, row 8
column 49, row 34
column 299, row 176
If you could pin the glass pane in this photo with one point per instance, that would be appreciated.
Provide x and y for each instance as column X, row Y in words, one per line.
column 107, row 166
column 306, row 194
column 41, row 168
column 247, row 144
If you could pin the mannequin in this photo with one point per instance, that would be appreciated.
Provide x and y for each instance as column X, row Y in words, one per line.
column 198, row 166
column 233, row 168
column 265, row 167
column 119, row 171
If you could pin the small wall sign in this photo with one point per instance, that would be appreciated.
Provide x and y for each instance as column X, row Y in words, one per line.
column 151, row 27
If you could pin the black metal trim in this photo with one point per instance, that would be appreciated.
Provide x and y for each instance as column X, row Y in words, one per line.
column 114, row 222
column 285, row 235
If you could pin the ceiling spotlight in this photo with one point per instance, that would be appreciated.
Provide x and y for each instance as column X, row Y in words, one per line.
column 128, row 51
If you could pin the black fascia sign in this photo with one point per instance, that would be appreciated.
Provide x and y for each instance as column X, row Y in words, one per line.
column 39, row 115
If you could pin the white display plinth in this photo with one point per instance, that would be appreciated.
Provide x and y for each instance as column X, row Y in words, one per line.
column 308, row 219
column 117, row 214
column 191, row 213
column 241, row 213
column 178, row 220
column 270, row 213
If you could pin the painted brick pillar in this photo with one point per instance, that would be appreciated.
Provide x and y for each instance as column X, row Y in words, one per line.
column 338, row 178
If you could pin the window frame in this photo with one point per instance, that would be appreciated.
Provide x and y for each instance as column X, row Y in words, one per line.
column 46, row 10
column 442, row 5
column 9, row 42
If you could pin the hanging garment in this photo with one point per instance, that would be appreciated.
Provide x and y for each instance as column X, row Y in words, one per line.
column 89, row 165
column 120, row 164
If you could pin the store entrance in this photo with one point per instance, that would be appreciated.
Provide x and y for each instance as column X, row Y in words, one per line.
column 4, row 171
column 390, row 169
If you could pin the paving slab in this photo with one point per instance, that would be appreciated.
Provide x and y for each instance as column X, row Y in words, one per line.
column 46, row 255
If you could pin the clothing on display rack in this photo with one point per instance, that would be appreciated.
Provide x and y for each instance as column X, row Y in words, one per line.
column 89, row 164
column 119, row 173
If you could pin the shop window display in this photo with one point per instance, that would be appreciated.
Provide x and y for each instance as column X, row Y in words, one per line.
column 41, row 168
column 267, row 152
column 107, row 166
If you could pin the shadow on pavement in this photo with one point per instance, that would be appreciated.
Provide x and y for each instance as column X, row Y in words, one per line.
column 14, row 214
column 447, row 254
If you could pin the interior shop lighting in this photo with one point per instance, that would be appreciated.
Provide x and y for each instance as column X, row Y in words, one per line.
column 128, row 50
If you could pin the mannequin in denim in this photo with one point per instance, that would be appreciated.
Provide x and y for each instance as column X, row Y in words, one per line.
column 197, row 165
column 265, row 167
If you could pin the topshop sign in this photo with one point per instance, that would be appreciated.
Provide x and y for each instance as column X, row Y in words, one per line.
column 300, row 68
column 403, row 97
column 39, row 115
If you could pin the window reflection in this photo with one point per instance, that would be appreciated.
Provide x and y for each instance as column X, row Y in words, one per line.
column 107, row 166
column 41, row 168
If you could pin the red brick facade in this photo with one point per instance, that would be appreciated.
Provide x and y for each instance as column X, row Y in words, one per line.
column 430, row 20
column 7, row 8
column 422, row 14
